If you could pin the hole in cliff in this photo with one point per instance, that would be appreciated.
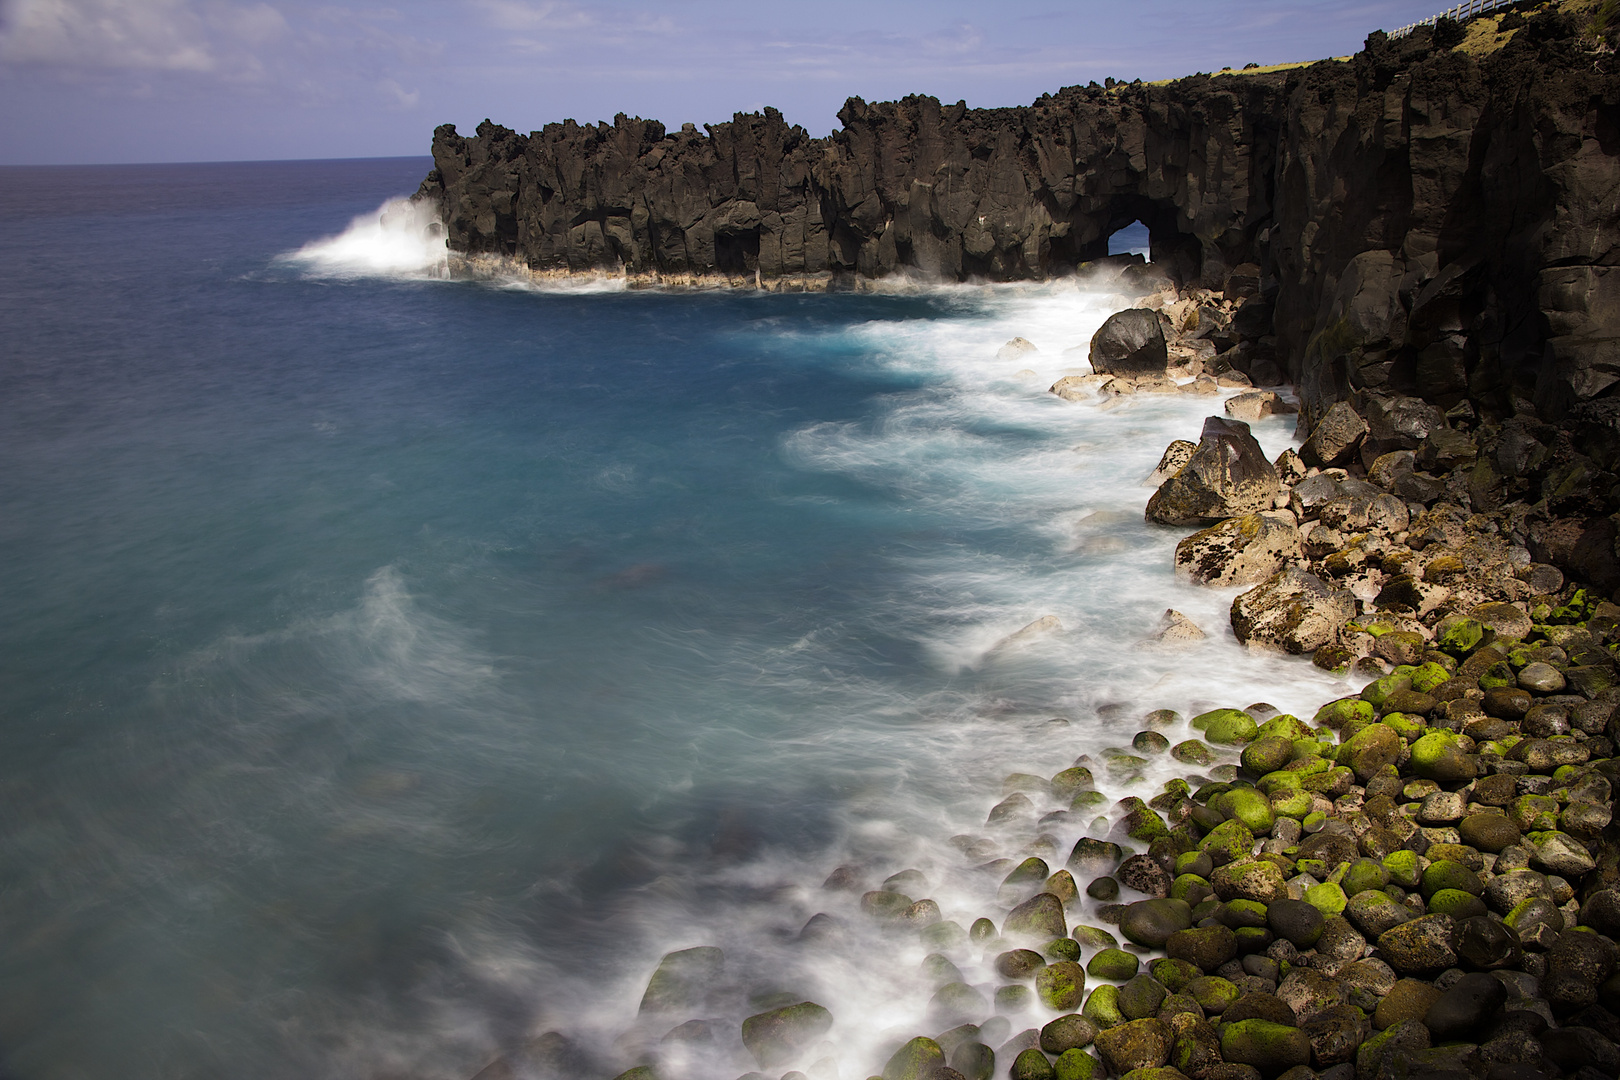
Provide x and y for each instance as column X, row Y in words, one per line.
column 736, row 253
column 1131, row 240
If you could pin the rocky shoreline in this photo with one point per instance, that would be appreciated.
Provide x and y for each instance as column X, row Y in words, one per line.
column 1420, row 880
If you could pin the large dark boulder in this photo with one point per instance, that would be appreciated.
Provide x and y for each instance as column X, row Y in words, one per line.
column 1130, row 343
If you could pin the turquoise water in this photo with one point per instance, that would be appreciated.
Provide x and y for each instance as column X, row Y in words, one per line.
column 396, row 667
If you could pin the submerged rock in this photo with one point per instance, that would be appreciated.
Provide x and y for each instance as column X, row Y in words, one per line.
column 779, row 1036
column 683, row 979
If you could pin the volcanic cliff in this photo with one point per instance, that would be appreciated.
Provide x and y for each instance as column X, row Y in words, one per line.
column 1423, row 219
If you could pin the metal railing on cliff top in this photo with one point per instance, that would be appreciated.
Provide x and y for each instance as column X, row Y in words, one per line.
column 1459, row 13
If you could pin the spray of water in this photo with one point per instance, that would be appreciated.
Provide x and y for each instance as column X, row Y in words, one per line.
column 400, row 239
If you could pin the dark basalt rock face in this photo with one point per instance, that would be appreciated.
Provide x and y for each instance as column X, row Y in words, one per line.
column 1411, row 222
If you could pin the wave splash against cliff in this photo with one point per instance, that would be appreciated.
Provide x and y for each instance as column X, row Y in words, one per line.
column 400, row 239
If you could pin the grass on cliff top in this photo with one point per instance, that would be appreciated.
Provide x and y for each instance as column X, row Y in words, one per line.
column 1263, row 69
column 1484, row 33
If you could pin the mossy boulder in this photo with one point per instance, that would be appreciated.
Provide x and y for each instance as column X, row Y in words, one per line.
column 1213, row 993
column 1271, row 1047
column 1377, row 691
column 1370, row 750
column 1267, row 754
column 1137, row 1044
column 1446, row 874
column 1040, row 918
column 1337, row 714
column 683, row 978
column 1285, row 726
column 1228, row 727
column 779, row 1036
column 1404, row 868
column 1063, row 948
column 1251, row 879
column 1459, row 635
column 1364, row 874
column 1373, row 911
column 1061, row 986
column 1075, row 1065
column 1456, row 903
column 1102, row 1006
column 1115, row 965
column 1192, row 752
column 1292, row 804
column 1227, row 842
column 1070, row 1032
column 1424, row 944
column 1173, row 974
column 1071, row 782
column 1248, row 806
column 1438, row 756
column 1141, row 997
column 1327, row 897
column 1426, row 678
column 1031, row 1064
column 919, row 1059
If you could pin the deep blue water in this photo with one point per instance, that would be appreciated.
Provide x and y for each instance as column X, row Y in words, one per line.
column 395, row 667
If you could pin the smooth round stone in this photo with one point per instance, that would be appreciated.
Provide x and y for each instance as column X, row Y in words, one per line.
column 1141, row 997
column 1299, row 922
column 1213, row 993
column 1195, row 862
column 1206, row 948
column 1150, row 742
column 1103, row 888
column 1019, row 963
column 1152, row 922
column 1408, row 999
column 1489, row 832
column 1541, row 678
column 1070, row 1032
column 1463, row 1013
column 1506, row 703
column 1456, row 903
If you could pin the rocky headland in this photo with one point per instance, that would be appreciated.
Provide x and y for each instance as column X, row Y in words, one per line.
column 1414, row 250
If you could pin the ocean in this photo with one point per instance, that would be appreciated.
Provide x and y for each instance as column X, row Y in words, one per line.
column 396, row 667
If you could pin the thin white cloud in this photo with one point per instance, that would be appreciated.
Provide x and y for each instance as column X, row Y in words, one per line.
column 153, row 35
column 527, row 15
column 398, row 95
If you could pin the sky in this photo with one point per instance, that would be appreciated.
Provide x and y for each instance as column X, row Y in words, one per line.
column 109, row 81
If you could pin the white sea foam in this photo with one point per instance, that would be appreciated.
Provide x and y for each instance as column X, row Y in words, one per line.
column 1026, row 506
column 977, row 452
